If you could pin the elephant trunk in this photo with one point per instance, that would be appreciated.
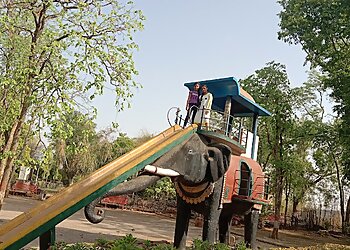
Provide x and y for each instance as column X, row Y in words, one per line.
column 96, row 215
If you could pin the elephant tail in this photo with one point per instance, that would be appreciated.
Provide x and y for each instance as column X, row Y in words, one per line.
column 96, row 215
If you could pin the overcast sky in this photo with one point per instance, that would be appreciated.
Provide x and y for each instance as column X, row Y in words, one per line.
column 189, row 40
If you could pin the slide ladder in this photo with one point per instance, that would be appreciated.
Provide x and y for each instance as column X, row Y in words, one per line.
column 41, row 220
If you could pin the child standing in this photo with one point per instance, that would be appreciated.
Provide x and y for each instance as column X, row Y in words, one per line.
column 206, row 100
column 192, row 103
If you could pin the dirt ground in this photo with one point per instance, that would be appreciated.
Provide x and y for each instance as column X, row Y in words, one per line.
column 146, row 226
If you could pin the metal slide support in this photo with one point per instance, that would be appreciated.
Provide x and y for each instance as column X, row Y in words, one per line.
column 47, row 239
column 255, row 132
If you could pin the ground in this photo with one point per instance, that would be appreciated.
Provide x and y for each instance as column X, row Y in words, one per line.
column 147, row 226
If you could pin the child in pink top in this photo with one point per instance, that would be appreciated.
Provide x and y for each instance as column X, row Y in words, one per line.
column 192, row 103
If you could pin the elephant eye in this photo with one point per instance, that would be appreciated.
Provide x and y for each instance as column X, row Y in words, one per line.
column 190, row 151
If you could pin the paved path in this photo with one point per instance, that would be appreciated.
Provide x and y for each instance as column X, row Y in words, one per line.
column 117, row 223
column 146, row 226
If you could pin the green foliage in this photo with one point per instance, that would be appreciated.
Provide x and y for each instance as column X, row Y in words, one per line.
column 163, row 189
column 205, row 245
column 122, row 145
column 162, row 247
column 80, row 149
column 241, row 246
column 289, row 138
column 322, row 28
column 129, row 242
column 79, row 246
column 54, row 57
column 76, row 246
column 103, row 243
column 73, row 146
column 102, row 147
column 271, row 88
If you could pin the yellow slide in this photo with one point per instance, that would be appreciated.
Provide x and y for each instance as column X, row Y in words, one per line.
column 44, row 217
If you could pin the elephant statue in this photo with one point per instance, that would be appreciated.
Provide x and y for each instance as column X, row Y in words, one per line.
column 197, row 168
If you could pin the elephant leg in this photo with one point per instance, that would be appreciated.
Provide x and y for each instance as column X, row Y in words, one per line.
column 250, row 228
column 210, row 226
column 224, row 228
column 182, row 221
column 211, row 217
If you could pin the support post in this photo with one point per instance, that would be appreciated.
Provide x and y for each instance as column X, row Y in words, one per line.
column 240, row 131
column 227, row 114
column 255, row 132
column 47, row 239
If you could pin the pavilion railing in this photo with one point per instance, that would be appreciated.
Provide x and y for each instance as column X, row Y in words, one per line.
column 218, row 122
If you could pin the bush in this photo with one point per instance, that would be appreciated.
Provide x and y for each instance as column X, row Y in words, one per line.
column 128, row 242
column 163, row 189
column 205, row 245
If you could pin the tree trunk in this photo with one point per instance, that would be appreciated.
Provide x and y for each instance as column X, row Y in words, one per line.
column 320, row 215
column 12, row 174
column 7, row 148
column 278, row 155
column 295, row 218
column 4, row 182
column 331, row 218
column 347, row 217
column 6, row 178
column 287, row 192
column 278, row 203
column 341, row 192
column 11, row 147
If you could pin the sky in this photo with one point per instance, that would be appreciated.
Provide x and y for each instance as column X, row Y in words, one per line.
column 185, row 41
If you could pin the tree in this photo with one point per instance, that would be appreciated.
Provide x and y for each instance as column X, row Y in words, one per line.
column 123, row 144
column 102, row 147
column 270, row 87
column 143, row 137
column 329, row 152
column 73, row 148
column 310, row 112
column 55, row 53
column 322, row 28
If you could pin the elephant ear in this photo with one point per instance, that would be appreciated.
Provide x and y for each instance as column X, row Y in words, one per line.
column 226, row 154
column 219, row 159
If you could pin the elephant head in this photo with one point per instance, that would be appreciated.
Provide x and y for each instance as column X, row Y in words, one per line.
column 194, row 161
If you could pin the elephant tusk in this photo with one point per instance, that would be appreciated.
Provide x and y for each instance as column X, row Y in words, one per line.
column 161, row 171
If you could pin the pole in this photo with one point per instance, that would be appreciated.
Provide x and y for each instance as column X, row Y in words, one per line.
column 255, row 132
